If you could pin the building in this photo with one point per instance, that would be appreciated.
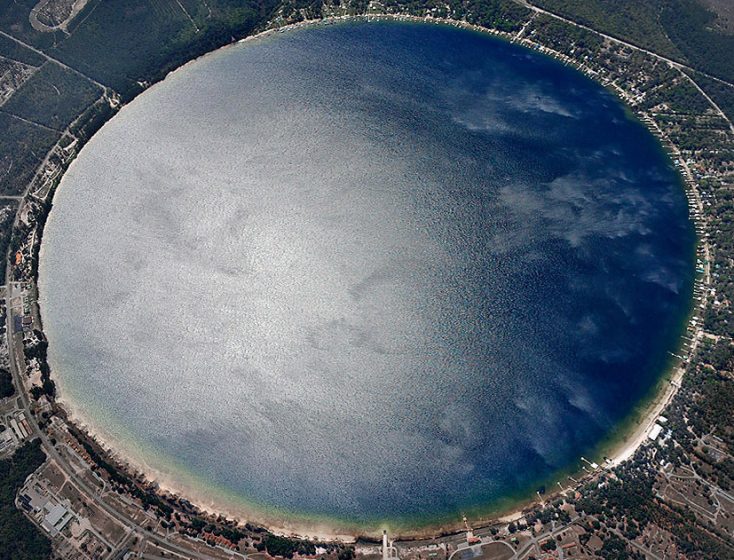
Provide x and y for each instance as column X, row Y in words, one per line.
column 56, row 518
column 655, row 432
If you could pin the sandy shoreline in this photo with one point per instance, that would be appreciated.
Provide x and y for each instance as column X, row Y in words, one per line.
column 627, row 449
column 197, row 494
column 332, row 530
column 170, row 482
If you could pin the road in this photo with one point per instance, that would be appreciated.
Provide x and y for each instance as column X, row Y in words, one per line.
column 675, row 63
column 16, row 360
column 534, row 540
column 55, row 61
column 678, row 65
column 89, row 493
column 28, row 121
column 40, row 26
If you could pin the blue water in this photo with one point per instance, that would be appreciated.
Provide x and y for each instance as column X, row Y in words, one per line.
column 366, row 271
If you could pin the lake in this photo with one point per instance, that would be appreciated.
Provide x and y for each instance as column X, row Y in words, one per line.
column 365, row 273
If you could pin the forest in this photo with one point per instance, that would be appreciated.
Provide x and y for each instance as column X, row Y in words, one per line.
column 19, row 539
column 679, row 29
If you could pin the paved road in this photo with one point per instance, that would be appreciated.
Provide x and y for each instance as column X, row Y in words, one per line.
column 678, row 65
column 91, row 495
column 17, row 359
column 50, row 450
column 674, row 63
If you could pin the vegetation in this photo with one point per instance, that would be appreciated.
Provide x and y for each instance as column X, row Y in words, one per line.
column 679, row 29
column 14, row 21
column 6, row 384
column 128, row 45
column 285, row 547
column 722, row 94
column 682, row 97
column 7, row 214
column 564, row 37
column 52, row 97
column 14, row 51
column 504, row 15
column 19, row 538
column 22, row 149
column 614, row 549
column 638, row 22
column 125, row 45
column 629, row 501
column 148, row 498
column 718, row 318
column 38, row 351
column 690, row 26
column 710, row 408
column 92, row 120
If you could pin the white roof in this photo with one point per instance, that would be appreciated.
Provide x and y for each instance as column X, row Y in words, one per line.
column 655, row 432
column 55, row 514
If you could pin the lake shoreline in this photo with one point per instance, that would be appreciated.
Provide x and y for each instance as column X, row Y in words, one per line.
column 622, row 449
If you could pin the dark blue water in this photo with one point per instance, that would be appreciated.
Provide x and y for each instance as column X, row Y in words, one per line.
column 366, row 271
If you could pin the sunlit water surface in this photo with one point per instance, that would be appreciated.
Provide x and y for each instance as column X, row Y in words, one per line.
column 366, row 271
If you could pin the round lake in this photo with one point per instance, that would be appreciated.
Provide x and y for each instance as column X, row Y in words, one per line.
column 365, row 272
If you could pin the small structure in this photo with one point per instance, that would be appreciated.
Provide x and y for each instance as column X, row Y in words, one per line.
column 655, row 432
column 388, row 550
column 471, row 538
